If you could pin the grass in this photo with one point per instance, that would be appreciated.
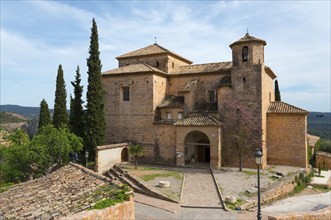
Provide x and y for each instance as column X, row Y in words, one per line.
column 109, row 195
column 249, row 172
column 129, row 167
column 235, row 205
column 150, row 177
column 321, row 188
column 298, row 188
column 6, row 186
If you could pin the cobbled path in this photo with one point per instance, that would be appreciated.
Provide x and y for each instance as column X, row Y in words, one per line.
column 200, row 189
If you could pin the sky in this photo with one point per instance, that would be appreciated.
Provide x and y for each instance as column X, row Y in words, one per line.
column 37, row 36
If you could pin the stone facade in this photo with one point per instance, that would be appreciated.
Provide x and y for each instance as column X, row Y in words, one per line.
column 174, row 109
column 323, row 160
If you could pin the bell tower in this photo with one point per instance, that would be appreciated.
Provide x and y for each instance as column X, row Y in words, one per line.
column 248, row 50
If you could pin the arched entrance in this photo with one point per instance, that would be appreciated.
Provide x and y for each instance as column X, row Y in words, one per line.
column 124, row 155
column 197, row 148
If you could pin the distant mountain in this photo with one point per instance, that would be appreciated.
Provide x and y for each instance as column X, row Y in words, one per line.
column 27, row 112
column 319, row 124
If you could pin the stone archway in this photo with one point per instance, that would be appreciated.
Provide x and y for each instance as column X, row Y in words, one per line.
column 197, row 148
column 124, row 154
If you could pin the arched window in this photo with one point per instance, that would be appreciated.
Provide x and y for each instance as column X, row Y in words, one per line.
column 245, row 54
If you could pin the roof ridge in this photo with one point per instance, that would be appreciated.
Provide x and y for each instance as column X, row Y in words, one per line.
column 201, row 64
column 272, row 108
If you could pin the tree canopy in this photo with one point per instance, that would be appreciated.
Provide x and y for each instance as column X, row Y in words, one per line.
column 277, row 92
column 76, row 118
column 60, row 116
column 95, row 121
column 44, row 115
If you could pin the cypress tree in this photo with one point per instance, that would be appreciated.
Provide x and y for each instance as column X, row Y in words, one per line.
column 76, row 117
column 44, row 115
column 95, row 121
column 277, row 92
column 60, row 116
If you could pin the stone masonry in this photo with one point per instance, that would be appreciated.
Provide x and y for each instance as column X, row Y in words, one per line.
column 155, row 96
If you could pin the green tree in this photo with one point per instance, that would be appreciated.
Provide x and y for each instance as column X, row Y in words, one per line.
column 44, row 115
column 136, row 151
column 76, row 118
column 277, row 92
column 60, row 116
column 57, row 144
column 19, row 137
column 95, row 121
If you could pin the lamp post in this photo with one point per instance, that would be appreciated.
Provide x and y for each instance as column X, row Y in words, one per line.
column 86, row 156
column 258, row 160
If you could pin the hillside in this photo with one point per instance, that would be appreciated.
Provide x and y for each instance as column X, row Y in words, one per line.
column 27, row 112
column 320, row 126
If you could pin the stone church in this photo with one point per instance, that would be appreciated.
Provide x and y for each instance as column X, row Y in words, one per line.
column 173, row 108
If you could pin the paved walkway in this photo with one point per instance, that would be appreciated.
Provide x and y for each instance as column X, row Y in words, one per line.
column 300, row 203
column 200, row 190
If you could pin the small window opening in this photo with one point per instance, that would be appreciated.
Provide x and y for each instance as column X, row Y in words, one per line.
column 169, row 115
column 157, row 64
column 132, row 82
column 245, row 54
column 155, row 81
column 212, row 96
column 173, row 65
column 116, row 83
column 126, row 94
column 170, row 84
column 244, row 79
column 127, row 64
column 180, row 115
column 147, row 81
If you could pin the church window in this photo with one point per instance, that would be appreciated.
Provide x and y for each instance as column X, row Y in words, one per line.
column 244, row 79
column 157, row 64
column 126, row 93
column 212, row 96
column 180, row 115
column 169, row 115
column 245, row 54
column 173, row 65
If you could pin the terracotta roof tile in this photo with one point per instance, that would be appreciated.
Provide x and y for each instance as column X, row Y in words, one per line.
column 200, row 120
column 225, row 81
column 205, row 107
column 248, row 38
column 284, row 108
column 204, row 68
column 171, row 102
column 133, row 68
column 62, row 192
column 151, row 50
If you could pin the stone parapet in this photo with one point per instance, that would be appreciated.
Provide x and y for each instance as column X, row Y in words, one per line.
column 323, row 160
column 319, row 215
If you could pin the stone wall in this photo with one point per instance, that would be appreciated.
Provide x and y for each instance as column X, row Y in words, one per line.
column 322, row 214
column 323, row 160
column 280, row 190
column 287, row 139
column 119, row 211
column 107, row 156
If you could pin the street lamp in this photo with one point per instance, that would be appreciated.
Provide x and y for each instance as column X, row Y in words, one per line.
column 86, row 156
column 258, row 160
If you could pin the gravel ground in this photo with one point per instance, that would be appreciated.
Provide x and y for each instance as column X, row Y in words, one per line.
column 235, row 183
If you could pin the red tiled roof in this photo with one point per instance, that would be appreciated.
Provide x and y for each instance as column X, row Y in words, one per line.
column 248, row 38
column 151, row 50
column 134, row 68
column 284, row 108
column 201, row 120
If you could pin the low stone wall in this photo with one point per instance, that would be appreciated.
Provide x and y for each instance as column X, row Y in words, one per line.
column 107, row 156
column 279, row 191
column 323, row 159
column 321, row 214
column 119, row 211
